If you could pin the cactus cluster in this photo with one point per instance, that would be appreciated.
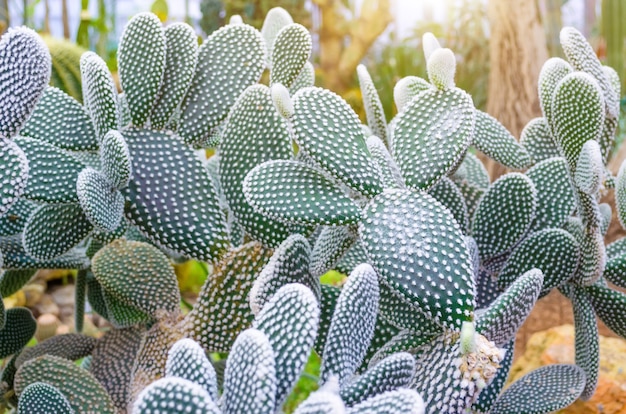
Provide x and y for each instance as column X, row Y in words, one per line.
column 442, row 266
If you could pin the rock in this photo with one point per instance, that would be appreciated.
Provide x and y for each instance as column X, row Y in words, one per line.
column 33, row 293
column 46, row 305
column 47, row 325
column 556, row 346
column 63, row 295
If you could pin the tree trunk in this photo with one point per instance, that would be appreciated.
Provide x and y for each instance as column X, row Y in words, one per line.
column 66, row 20
column 517, row 48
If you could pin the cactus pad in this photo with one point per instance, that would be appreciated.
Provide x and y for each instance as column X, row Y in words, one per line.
column 99, row 94
column 15, row 174
column 373, row 107
column 187, row 360
column 115, row 159
column 290, row 51
column 42, row 398
column 174, row 395
column 101, row 204
column 555, row 197
column 19, row 327
column 536, row 138
column 495, row 141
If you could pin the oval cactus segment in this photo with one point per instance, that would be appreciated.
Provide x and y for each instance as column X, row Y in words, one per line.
column 504, row 214
column 250, row 377
column 501, row 320
column 26, row 65
column 552, row 71
column 141, row 61
column 393, row 402
column 536, row 139
column 71, row 346
column 418, row 249
column 173, row 395
column 293, row 192
column 328, row 303
column 373, row 107
column 253, row 116
column 543, row 390
column 170, row 183
column 16, row 258
column 290, row 321
column 554, row 251
column 615, row 249
column 82, row 390
column 180, row 66
column 615, row 271
column 555, row 197
column 12, row 221
column 620, row 195
column 587, row 344
column 408, row 88
column 187, row 360
column 329, row 131
column 448, row 194
column 495, row 141
column 229, row 61
column 232, row 278
column 102, row 204
column 389, row 172
column 19, row 327
column 60, row 120
column 13, row 280
column 441, row 67
column 399, row 313
column 305, row 79
column 325, row 400
column 352, row 325
column 432, row 134
column 577, row 93
column 330, row 246
column 589, row 168
column 138, row 274
column 52, row 172
column 115, row 159
column 15, row 174
column 42, row 398
column 291, row 50
column 99, row 94
column 275, row 19
column 610, row 306
column 54, row 229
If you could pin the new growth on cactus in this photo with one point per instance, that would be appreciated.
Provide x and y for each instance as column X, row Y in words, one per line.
column 442, row 266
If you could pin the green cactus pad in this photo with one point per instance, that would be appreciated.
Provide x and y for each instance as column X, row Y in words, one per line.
column 54, row 229
column 325, row 400
column 71, row 346
column 82, row 390
column 543, row 390
column 389, row 172
column 490, row 393
column 408, row 88
column 305, row 79
column 448, row 194
column 250, row 379
column 593, row 257
column 290, row 321
column 252, row 116
column 352, row 325
column 610, row 306
column 373, row 107
column 615, row 249
column 419, row 257
column 383, row 333
column 293, row 192
column 582, row 57
column 587, row 344
column 473, row 180
column 353, row 257
column 501, row 320
column 225, row 293
column 426, row 151
column 402, row 314
column 554, row 251
column 141, row 61
column 169, row 187
column 122, row 103
column 577, row 93
column 115, row 159
column 99, row 94
column 620, row 195
column 504, row 214
column 332, row 244
column 180, row 66
column 289, row 264
column 328, row 303
column 275, row 19
column 25, row 63
column 121, row 314
column 290, row 51
column 15, row 174
column 60, row 120
column 495, row 141
column 552, row 71
column 401, row 401
column 327, row 129
column 555, row 198
column 19, row 327
column 13, row 280
column 15, row 257
column 174, row 395
column 589, row 168
column 52, row 172
column 229, row 61
column 102, row 204
column 536, row 138
column 112, row 360
column 391, row 373
column 615, row 271
column 187, row 360
column 14, row 220
column 42, row 398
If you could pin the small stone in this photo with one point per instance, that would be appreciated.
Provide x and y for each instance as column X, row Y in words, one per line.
column 46, row 305
column 47, row 325
column 64, row 295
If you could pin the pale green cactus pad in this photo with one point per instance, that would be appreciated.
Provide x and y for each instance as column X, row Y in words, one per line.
column 71, row 346
column 448, row 194
column 350, row 162
column 13, row 280
column 610, row 306
column 390, row 174
column 14, row 220
column 25, row 63
column 536, row 138
column 587, row 344
column 425, row 152
column 331, row 245
column 60, row 120
column 15, row 174
column 293, row 192
column 328, row 303
column 552, row 71
column 373, row 107
column 170, row 186
column 42, row 398
column 615, row 270
column 504, row 214
column 473, row 180
column 290, row 51
column 187, row 360
column 19, row 327
column 15, row 257
column 495, row 141
column 99, row 94
column 620, row 195
column 305, row 79
column 115, row 159
column 275, row 19
column 325, row 400
column 250, row 379
column 418, row 256
column 173, row 395
column 391, row 402
column 402, row 314
column 589, row 173
column 408, row 88
column 102, row 204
